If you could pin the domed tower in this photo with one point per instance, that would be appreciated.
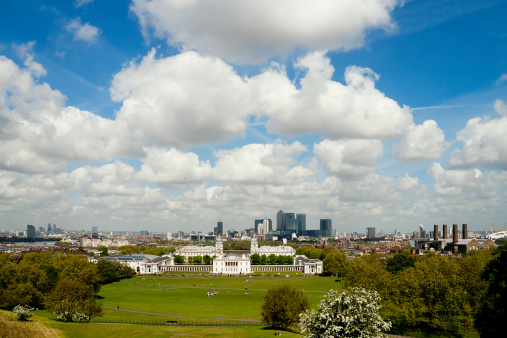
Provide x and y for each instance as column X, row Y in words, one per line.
column 254, row 246
column 219, row 246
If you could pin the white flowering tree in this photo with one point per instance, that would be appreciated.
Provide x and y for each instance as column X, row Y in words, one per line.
column 351, row 313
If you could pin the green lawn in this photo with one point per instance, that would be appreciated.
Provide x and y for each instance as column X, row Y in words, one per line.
column 185, row 299
column 187, row 296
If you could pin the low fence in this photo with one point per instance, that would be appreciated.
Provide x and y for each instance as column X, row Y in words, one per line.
column 178, row 322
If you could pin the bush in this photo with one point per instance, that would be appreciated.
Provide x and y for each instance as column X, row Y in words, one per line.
column 22, row 312
column 352, row 313
column 282, row 306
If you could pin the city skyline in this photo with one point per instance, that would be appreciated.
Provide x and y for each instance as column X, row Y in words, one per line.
column 124, row 116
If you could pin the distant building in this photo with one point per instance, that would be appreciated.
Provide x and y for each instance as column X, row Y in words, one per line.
column 263, row 226
column 290, row 222
column 301, row 224
column 232, row 265
column 282, row 250
column 370, row 232
column 30, row 232
column 169, row 236
column 194, row 250
column 280, row 220
column 310, row 266
column 219, row 229
column 326, row 227
column 144, row 233
column 95, row 229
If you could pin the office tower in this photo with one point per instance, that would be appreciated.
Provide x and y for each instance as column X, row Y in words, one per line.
column 258, row 223
column 290, row 221
column 30, row 232
column 326, row 226
column 49, row 228
column 95, row 229
column 370, row 232
column 301, row 222
column 169, row 236
column 280, row 220
column 54, row 228
column 220, row 228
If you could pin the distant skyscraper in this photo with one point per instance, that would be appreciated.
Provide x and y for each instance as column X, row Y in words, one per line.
column 95, row 229
column 30, row 232
column 220, row 228
column 280, row 220
column 54, row 228
column 290, row 221
column 257, row 223
column 326, row 226
column 370, row 232
column 301, row 222
column 49, row 227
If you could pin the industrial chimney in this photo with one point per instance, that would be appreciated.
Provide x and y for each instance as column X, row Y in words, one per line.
column 435, row 232
column 444, row 231
column 464, row 232
column 454, row 234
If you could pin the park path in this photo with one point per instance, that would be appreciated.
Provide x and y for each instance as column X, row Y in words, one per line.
column 177, row 316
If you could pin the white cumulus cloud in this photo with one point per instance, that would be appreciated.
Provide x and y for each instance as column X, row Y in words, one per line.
column 254, row 31
column 422, row 142
column 484, row 144
column 321, row 105
column 84, row 32
column 349, row 158
column 182, row 100
column 261, row 163
column 172, row 168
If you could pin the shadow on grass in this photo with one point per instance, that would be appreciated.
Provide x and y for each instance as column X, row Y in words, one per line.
column 279, row 330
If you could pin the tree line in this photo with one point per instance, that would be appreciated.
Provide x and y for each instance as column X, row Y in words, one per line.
column 64, row 284
column 434, row 293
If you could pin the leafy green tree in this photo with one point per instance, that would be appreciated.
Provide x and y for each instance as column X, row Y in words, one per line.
column 272, row 259
column 309, row 252
column 400, row 262
column 282, row 306
column 325, row 251
column 103, row 251
column 335, row 263
column 197, row 260
column 71, row 299
column 492, row 314
column 255, row 259
column 179, row 259
column 207, row 259
column 351, row 313
column 264, row 260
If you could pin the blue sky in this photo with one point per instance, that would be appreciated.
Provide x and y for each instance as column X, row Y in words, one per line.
column 167, row 115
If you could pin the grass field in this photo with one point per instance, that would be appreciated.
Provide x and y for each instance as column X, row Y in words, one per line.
column 164, row 298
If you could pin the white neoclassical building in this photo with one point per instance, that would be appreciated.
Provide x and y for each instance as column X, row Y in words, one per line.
column 283, row 250
column 194, row 250
column 232, row 265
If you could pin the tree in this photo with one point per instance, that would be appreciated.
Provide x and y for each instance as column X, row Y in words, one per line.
column 255, row 259
column 207, row 259
column 264, row 260
column 492, row 314
column 400, row 262
column 272, row 259
column 282, row 306
column 179, row 259
column 335, row 263
column 72, row 299
column 352, row 313
column 197, row 260
column 103, row 251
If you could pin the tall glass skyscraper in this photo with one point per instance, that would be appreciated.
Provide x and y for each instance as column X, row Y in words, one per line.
column 326, row 226
column 301, row 223
column 280, row 220
column 290, row 221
